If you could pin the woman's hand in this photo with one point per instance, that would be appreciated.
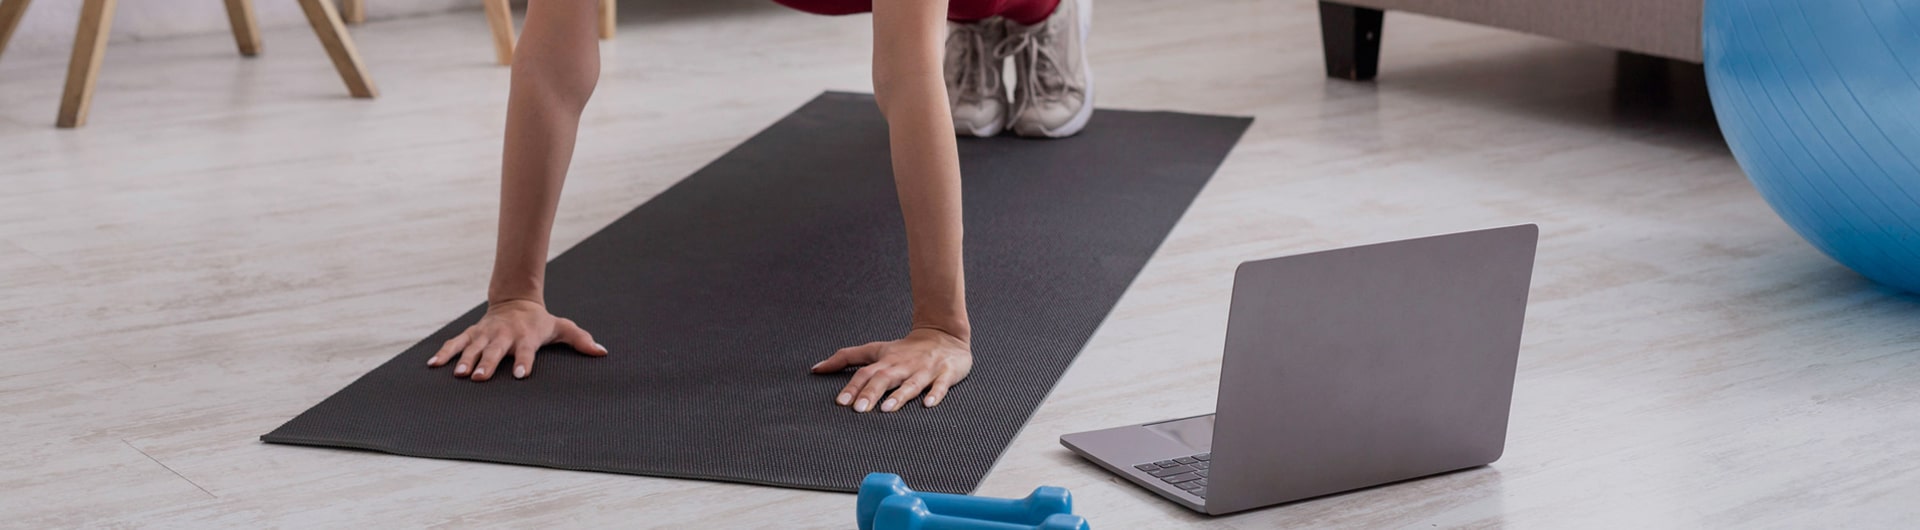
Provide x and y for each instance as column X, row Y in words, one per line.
column 926, row 359
column 517, row 327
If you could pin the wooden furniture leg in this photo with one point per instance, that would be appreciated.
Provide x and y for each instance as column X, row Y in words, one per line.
column 353, row 11
column 10, row 13
column 333, row 35
column 1350, row 37
column 246, row 28
column 609, row 10
column 500, row 18
column 1642, row 78
column 89, row 45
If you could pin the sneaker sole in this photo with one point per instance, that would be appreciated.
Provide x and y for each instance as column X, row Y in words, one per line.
column 1079, row 121
column 989, row 129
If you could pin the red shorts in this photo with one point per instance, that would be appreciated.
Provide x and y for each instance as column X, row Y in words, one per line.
column 1021, row 11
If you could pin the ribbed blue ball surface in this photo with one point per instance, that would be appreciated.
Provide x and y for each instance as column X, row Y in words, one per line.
column 1820, row 102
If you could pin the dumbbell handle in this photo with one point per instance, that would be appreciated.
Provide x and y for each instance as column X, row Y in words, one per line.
column 948, row 522
column 979, row 507
column 904, row 513
column 1030, row 510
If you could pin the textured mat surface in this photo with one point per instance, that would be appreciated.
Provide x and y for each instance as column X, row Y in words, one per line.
column 718, row 294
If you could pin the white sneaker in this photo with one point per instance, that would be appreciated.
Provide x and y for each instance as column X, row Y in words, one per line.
column 975, row 90
column 1053, row 86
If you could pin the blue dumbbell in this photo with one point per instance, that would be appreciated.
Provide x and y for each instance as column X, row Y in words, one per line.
column 1043, row 502
column 907, row 512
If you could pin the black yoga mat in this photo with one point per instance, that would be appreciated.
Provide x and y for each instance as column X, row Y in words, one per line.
column 718, row 294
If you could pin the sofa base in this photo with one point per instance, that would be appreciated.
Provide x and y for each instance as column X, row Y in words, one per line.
column 1350, row 37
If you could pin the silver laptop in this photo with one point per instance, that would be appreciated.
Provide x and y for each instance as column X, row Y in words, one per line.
column 1346, row 369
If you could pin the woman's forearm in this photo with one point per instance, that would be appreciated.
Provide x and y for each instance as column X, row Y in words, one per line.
column 908, row 40
column 927, row 176
column 554, row 72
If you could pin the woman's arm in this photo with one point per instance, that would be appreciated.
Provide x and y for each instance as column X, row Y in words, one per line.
column 908, row 43
column 554, row 71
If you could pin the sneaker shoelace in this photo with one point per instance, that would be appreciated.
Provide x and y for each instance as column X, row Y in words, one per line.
column 1042, row 76
column 976, row 76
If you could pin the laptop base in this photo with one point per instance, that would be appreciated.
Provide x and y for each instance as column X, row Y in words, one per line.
column 1119, row 450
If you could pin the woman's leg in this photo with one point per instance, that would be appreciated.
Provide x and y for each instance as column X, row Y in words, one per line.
column 1054, row 97
column 829, row 7
column 1053, row 87
column 1021, row 11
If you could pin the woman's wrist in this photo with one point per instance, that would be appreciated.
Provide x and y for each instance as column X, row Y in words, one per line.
column 955, row 326
column 509, row 284
column 500, row 295
column 496, row 303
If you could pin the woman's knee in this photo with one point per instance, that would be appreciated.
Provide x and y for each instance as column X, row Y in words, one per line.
column 829, row 7
column 971, row 10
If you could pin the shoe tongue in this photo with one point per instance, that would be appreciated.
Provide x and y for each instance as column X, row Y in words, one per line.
column 1052, row 81
column 1044, row 67
column 976, row 66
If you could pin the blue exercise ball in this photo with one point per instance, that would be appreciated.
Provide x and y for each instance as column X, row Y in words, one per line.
column 1820, row 102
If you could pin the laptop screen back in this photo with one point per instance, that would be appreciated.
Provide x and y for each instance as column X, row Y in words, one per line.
column 1360, row 366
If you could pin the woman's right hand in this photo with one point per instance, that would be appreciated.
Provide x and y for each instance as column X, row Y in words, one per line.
column 516, row 327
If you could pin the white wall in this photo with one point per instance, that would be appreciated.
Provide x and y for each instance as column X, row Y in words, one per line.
column 49, row 24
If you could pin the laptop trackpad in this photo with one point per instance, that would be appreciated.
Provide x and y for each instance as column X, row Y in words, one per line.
column 1196, row 433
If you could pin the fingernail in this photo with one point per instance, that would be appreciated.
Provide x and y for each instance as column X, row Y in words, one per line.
column 843, row 399
column 816, row 366
column 603, row 349
column 430, row 361
column 890, row 406
column 930, row 402
column 519, row 372
column 461, row 369
column 479, row 372
column 862, row 405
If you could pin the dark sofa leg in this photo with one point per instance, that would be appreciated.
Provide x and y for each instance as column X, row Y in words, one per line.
column 1351, row 38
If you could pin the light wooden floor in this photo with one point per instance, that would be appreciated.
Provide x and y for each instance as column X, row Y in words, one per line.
column 232, row 240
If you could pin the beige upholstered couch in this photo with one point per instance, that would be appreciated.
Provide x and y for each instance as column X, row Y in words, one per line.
column 1350, row 29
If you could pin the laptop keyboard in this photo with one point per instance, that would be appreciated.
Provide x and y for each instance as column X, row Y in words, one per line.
column 1187, row 473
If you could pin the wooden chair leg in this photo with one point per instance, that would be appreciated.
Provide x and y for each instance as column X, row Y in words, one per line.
column 609, row 11
column 500, row 18
column 353, row 11
column 246, row 28
column 1350, row 37
column 333, row 35
column 10, row 13
column 89, row 45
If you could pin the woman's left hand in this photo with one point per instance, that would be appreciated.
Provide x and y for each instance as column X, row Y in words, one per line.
column 926, row 360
